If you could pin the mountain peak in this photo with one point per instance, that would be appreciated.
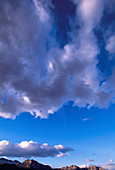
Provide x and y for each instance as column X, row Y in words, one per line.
column 34, row 165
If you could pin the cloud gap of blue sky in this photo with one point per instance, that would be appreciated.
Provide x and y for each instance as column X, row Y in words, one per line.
column 63, row 11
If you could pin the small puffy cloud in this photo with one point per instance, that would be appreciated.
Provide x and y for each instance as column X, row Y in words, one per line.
column 89, row 160
column 29, row 149
column 62, row 155
column 58, row 147
column 111, row 160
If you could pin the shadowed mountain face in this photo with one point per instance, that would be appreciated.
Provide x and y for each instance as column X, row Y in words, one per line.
column 34, row 165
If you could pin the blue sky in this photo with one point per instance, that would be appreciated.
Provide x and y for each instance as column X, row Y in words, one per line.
column 93, row 136
column 57, row 81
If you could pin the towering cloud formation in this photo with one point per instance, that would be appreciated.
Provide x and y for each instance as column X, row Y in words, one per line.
column 31, row 149
column 36, row 75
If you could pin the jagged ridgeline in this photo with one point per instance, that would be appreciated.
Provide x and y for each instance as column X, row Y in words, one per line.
column 6, row 164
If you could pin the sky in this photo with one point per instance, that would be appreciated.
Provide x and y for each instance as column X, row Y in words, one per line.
column 57, row 81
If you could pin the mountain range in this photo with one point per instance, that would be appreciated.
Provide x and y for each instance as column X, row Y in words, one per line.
column 6, row 164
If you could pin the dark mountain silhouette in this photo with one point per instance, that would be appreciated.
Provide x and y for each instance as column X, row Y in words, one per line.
column 3, row 160
column 34, row 165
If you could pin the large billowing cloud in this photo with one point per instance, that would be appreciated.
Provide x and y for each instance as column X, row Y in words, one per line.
column 29, row 149
column 36, row 75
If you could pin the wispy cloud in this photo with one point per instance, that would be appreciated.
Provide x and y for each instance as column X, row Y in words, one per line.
column 89, row 160
column 85, row 119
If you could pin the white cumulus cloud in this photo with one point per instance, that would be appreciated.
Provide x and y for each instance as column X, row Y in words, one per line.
column 27, row 149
